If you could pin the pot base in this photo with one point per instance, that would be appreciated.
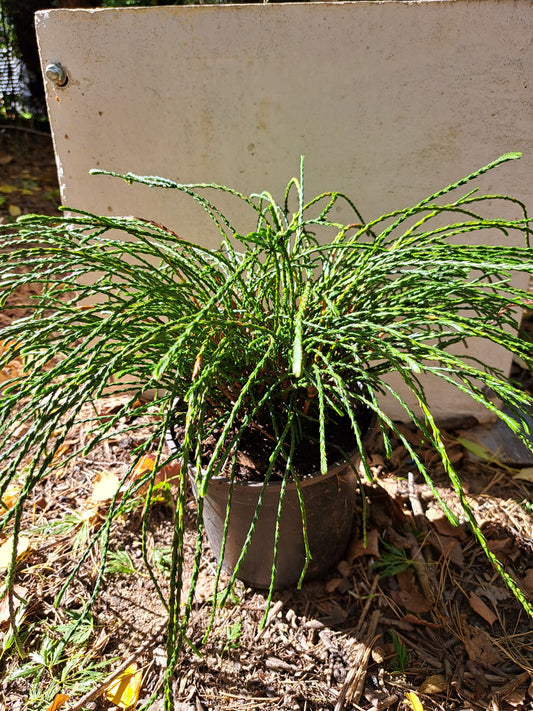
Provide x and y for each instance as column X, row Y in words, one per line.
column 329, row 509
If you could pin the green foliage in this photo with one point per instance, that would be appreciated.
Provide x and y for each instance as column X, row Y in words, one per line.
column 292, row 324
column 393, row 561
column 402, row 654
column 233, row 637
column 163, row 559
column 57, row 667
column 119, row 563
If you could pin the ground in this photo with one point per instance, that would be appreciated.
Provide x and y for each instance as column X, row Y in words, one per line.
column 413, row 617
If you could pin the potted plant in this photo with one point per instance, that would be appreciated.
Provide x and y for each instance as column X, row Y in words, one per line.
column 264, row 352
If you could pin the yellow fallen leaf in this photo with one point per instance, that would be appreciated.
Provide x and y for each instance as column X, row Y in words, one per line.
column 124, row 690
column 10, row 497
column 63, row 449
column 524, row 474
column 7, row 189
column 145, row 464
column 59, row 700
column 434, row 684
column 105, row 486
column 13, row 369
column 168, row 474
column 6, row 551
column 14, row 210
column 412, row 700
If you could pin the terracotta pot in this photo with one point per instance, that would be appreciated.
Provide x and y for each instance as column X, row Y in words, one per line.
column 329, row 505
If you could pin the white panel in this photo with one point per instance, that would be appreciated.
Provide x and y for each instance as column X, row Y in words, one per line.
column 388, row 101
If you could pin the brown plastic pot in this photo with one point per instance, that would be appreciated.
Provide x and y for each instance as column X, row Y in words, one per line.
column 329, row 506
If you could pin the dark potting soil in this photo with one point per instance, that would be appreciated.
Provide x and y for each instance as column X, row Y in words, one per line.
column 258, row 443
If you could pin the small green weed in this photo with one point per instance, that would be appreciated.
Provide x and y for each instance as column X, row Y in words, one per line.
column 393, row 561
column 233, row 637
column 119, row 563
column 62, row 663
column 402, row 655
column 76, row 524
column 163, row 559
column 8, row 639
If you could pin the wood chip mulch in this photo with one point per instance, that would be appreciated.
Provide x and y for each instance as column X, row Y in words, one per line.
column 413, row 607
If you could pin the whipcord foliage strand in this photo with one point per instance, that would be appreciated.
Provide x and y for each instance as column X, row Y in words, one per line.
column 300, row 317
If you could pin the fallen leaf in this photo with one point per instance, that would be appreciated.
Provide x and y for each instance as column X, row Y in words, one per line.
column 7, row 189
column 455, row 455
column 409, row 595
column 145, row 464
column 399, row 456
column 479, row 647
column 10, row 497
column 434, row 684
column 412, row 700
column 168, row 474
column 478, row 450
column 413, row 601
column 378, row 654
column 357, row 548
column 18, row 599
column 333, row 584
column 124, row 690
column 443, row 525
column 106, row 485
column 524, row 474
column 344, row 568
column 15, row 368
column 414, row 438
column 503, row 548
column 449, row 547
column 59, row 700
column 6, row 551
column 493, row 593
column 477, row 604
column 172, row 471
column 14, row 210
column 5, row 158
column 516, row 697
column 61, row 450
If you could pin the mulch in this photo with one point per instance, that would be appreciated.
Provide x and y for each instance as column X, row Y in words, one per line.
column 413, row 617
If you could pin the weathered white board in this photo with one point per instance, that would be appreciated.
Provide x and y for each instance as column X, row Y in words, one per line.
column 388, row 101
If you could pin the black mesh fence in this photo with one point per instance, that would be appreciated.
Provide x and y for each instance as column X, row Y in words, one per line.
column 15, row 99
column 21, row 86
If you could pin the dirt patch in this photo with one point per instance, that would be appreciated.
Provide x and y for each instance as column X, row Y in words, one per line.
column 28, row 177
